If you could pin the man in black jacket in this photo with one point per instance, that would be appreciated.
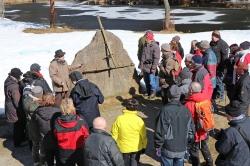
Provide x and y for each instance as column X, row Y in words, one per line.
column 173, row 127
column 241, row 90
column 233, row 142
column 100, row 148
column 221, row 49
column 35, row 77
column 86, row 97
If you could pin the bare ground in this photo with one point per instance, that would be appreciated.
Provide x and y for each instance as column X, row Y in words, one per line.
column 149, row 110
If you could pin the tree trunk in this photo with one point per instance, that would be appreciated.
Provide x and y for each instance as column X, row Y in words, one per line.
column 1, row 8
column 167, row 22
column 52, row 13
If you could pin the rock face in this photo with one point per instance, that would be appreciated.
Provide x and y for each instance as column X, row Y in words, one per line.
column 113, row 79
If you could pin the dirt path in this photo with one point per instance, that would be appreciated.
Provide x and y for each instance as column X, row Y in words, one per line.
column 149, row 110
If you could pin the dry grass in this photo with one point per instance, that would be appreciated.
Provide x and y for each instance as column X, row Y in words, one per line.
column 48, row 30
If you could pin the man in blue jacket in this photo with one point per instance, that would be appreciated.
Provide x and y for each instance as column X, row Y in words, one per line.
column 233, row 142
column 86, row 97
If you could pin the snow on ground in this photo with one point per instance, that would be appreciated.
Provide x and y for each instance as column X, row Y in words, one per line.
column 136, row 13
column 19, row 49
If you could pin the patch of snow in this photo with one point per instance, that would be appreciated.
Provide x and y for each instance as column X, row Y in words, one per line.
column 19, row 49
column 136, row 13
column 12, row 11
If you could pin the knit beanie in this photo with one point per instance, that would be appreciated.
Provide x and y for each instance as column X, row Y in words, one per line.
column 204, row 44
column 35, row 67
column 150, row 36
column 165, row 47
column 176, row 38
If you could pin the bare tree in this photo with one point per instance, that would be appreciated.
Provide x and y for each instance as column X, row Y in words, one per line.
column 2, row 8
column 52, row 13
column 168, row 25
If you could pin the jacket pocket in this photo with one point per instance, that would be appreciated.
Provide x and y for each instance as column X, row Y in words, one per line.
column 168, row 132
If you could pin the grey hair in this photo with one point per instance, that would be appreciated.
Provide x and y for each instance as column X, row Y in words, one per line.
column 188, row 57
column 195, row 87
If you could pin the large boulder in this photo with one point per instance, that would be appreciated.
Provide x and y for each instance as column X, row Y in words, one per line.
column 114, row 79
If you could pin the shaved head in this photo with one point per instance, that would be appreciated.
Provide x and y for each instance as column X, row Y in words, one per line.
column 100, row 123
column 195, row 87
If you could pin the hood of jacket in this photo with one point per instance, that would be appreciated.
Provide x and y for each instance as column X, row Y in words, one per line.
column 197, row 97
column 46, row 113
column 83, row 88
column 68, row 121
column 242, row 53
column 238, row 121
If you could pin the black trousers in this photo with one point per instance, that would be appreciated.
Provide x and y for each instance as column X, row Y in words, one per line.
column 131, row 159
column 194, row 153
column 19, row 130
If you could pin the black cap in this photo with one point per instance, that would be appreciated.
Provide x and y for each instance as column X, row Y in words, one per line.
column 233, row 109
column 59, row 53
column 16, row 72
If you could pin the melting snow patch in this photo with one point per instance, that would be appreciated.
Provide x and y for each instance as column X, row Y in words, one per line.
column 136, row 13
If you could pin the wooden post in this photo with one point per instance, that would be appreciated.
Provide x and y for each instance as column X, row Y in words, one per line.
column 52, row 13
column 108, row 51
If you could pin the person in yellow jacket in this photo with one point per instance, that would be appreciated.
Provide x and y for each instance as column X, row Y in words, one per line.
column 130, row 133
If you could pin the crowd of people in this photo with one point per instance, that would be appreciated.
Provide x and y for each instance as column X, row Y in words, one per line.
column 191, row 94
column 64, row 127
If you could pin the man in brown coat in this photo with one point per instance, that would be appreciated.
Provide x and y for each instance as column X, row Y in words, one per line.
column 59, row 73
column 13, row 111
column 167, row 66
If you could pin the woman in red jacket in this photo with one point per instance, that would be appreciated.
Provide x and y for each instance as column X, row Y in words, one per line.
column 70, row 132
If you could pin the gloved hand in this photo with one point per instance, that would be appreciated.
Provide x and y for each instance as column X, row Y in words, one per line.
column 158, row 152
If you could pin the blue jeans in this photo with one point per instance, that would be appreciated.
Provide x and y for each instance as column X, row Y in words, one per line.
column 165, row 161
column 151, row 82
